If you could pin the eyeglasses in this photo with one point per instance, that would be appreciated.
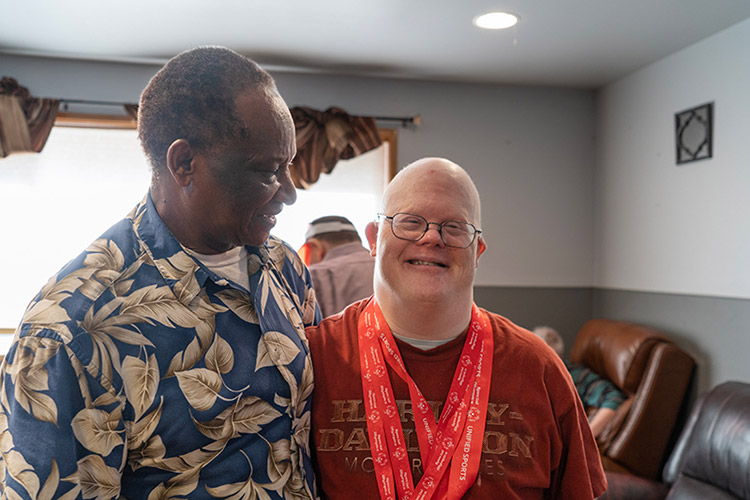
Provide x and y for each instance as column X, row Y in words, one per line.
column 411, row 227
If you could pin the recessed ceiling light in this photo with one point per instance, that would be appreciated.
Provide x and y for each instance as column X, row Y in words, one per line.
column 496, row 20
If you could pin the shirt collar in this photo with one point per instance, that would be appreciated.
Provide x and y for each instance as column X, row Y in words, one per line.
column 176, row 266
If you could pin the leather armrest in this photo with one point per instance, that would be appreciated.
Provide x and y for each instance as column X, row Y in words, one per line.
column 623, row 486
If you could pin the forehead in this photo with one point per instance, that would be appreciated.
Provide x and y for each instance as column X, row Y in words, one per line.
column 267, row 121
column 436, row 197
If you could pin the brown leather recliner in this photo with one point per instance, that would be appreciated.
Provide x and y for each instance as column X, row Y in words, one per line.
column 654, row 373
column 711, row 459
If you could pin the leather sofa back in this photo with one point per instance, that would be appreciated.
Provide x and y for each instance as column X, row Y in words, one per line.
column 617, row 350
column 654, row 373
column 712, row 457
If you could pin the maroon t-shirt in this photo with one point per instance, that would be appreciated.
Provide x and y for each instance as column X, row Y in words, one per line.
column 537, row 441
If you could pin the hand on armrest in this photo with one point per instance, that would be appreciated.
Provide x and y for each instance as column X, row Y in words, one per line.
column 599, row 420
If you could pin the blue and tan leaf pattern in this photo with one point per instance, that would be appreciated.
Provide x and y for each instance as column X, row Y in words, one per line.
column 135, row 374
column 141, row 380
column 97, row 430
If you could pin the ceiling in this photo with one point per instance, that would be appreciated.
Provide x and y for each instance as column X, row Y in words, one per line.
column 572, row 43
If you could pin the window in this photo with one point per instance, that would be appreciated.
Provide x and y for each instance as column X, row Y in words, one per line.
column 57, row 202
column 353, row 189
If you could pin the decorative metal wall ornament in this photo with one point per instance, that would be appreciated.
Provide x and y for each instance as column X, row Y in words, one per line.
column 694, row 133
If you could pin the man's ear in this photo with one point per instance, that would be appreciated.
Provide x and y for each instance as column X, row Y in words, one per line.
column 317, row 250
column 481, row 247
column 180, row 162
column 371, row 231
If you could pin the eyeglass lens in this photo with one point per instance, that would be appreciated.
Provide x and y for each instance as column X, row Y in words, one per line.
column 412, row 227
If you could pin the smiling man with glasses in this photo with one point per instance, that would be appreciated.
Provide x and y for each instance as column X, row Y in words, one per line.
column 421, row 394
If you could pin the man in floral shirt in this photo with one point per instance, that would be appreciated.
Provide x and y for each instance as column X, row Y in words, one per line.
column 169, row 359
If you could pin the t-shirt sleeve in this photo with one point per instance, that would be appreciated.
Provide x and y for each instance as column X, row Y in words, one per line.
column 612, row 397
column 579, row 474
column 595, row 390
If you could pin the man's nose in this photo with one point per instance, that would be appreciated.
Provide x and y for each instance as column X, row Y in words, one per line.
column 433, row 234
column 287, row 193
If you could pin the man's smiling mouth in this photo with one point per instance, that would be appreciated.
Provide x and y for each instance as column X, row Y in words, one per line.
column 425, row 263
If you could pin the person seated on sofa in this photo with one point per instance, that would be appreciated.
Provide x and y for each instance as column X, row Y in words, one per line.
column 599, row 396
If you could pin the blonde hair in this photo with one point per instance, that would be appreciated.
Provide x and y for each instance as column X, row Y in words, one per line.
column 551, row 337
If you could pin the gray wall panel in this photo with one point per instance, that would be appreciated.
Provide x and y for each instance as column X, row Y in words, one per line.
column 564, row 309
column 715, row 330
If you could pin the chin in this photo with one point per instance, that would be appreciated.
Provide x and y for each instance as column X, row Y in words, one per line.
column 255, row 238
column 255, row 242
column 429, row 296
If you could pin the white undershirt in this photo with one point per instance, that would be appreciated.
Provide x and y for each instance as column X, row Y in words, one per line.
column 424, row 344
column 231, row 265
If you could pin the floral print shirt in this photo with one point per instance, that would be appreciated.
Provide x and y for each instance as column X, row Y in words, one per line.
column 138, row 373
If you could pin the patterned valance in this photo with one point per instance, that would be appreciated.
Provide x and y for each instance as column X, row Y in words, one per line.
column 25, row 121
column 325, row 137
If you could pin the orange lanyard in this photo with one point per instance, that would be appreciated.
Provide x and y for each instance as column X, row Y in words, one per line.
column 455, row 442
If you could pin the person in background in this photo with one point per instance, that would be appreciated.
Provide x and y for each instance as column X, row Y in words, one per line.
column 169, row 359
column 600, row 396
column 340, row 266
column 419, row 393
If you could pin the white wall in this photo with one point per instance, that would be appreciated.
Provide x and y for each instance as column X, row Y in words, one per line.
column 667, row 228
column 530, row 151
column 683, row 230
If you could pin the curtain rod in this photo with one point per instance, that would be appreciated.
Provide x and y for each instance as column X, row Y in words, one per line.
column 405, row 120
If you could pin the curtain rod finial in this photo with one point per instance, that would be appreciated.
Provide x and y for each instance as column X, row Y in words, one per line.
column 417, row 121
